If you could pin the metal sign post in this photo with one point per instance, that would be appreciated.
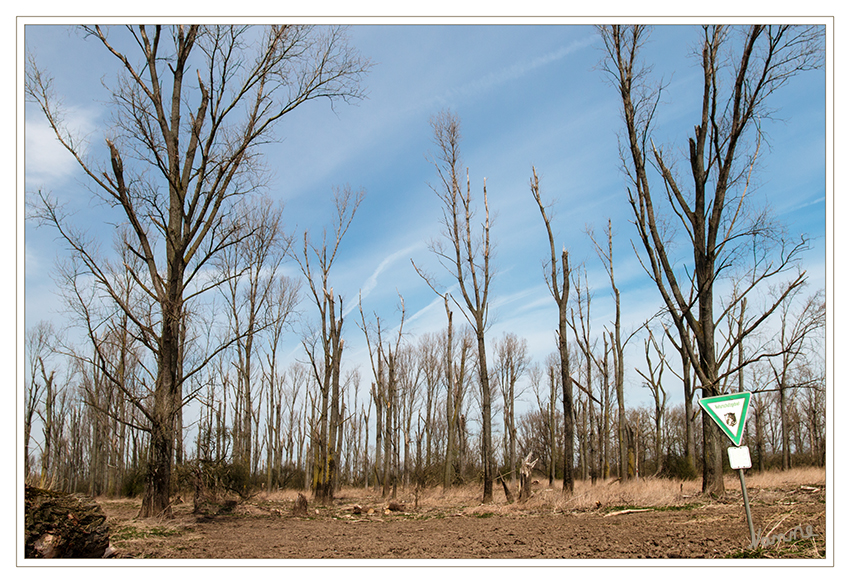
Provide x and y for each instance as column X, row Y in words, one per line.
column 730, row 413
column 739, row 459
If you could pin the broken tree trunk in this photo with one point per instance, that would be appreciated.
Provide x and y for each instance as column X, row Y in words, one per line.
column 508, row 495
column 62, row 525
column 525, row 478
column 300, row 506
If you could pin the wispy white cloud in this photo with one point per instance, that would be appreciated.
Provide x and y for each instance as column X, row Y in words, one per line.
column 47, row 161
column 431, row 312
column 796, row 207
column 487, row 83
column 372, row 281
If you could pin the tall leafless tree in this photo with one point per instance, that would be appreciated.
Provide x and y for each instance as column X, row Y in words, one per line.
column 385, row 392
column 511, row 361
column 251, row 276
column 283, row 297
column 606, row 255
column 324, row 346
column 741, row 69
column 39, row 344
column 183, row 148
column 795, row 332
column 558, row 281
column 584, row 340
column 652, row 379
column 452, row 400
column 466, row 255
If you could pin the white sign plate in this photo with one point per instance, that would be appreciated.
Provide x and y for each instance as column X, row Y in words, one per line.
column 729, row 412
column 739, row 458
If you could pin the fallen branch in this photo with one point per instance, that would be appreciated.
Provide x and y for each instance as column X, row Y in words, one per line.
column 627, row 511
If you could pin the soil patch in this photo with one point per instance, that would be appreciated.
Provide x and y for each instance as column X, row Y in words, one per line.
column 267, row 529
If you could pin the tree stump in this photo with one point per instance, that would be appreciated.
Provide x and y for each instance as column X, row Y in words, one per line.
column 62, row 525
column 525, row 478
column 300, row 506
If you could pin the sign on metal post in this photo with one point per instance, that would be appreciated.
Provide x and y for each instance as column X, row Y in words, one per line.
column 739, row 458
column 729, row 412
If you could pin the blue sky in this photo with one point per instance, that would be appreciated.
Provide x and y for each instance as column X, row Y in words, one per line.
column 525, row 95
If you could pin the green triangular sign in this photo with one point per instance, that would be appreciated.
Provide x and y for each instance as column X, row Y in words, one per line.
column 729, row 412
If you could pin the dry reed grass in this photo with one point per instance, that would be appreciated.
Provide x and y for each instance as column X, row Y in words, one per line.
column 604, row 495
column 808, row 476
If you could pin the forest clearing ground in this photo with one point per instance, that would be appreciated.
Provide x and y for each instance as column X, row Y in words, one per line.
column 650, row 518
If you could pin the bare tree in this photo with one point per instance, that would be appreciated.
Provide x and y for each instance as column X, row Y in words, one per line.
column 466, row 256
column 182, row 150
column 283, row 297
column 582, row 334
column 429, row 357
column 250, row 273
column 511, row 356
column 606, row 255
column 720, row 158
column 795, row 333
column 652, row 380
column 552, row 367
column 385, row 389
column 324, row 346
column 454, row 393
column 39, row 341
column 689, row 389
column 558, row 280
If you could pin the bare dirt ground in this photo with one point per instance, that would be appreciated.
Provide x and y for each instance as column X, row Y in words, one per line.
column 548, row 526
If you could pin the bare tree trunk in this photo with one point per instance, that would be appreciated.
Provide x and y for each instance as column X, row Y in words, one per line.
column 552, row 422
column 606, row 469
column 783, row 426
column 451, row 412
column 558, row 282
column 487, row 437
column 389, row 408
column 606, row 255
column 525, row 473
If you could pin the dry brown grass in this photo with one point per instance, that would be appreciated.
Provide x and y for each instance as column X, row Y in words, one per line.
column 602, row 496
column 808, row 476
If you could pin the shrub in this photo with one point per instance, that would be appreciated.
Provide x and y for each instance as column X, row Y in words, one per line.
column 133, row 483
column 679, row 468
column 210, row 480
